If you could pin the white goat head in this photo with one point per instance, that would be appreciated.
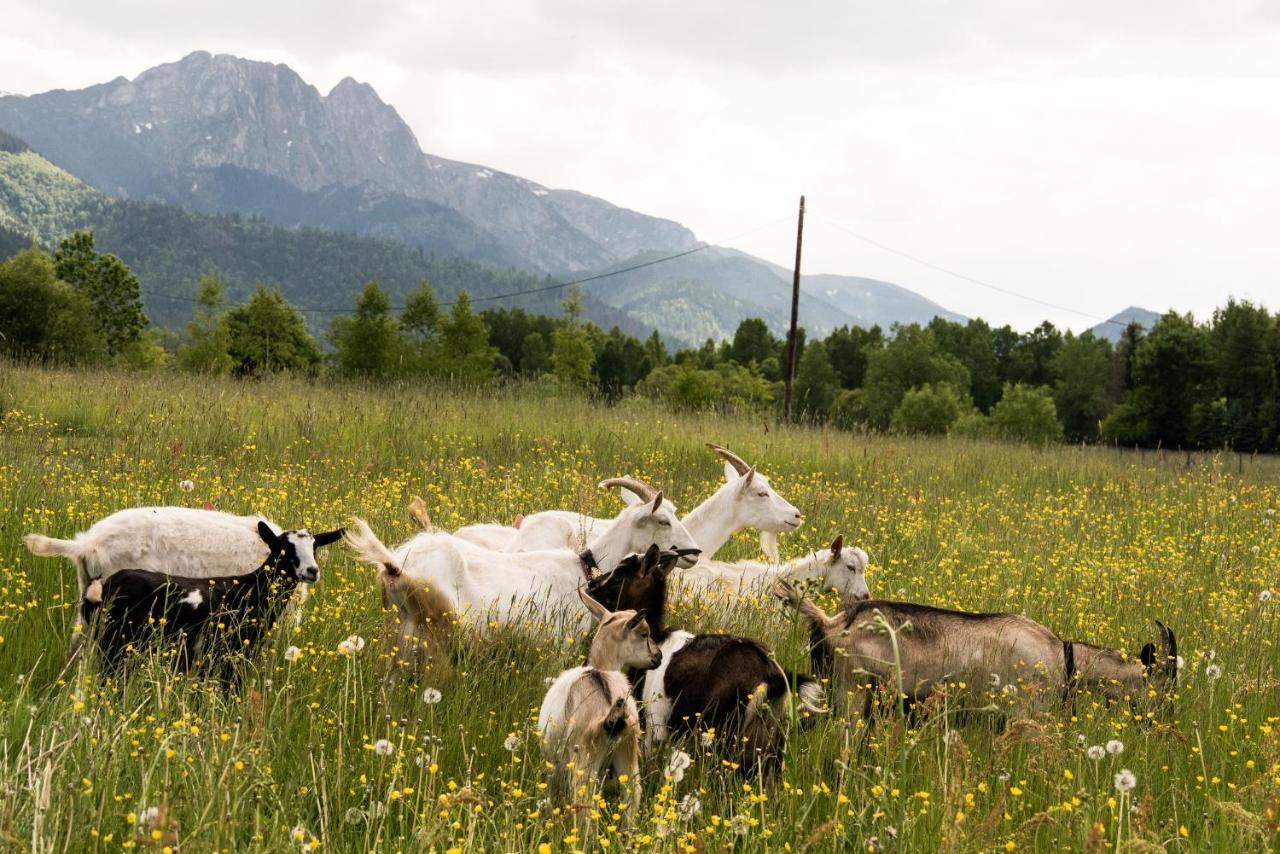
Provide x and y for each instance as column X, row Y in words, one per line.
column 648, row 520
column 758, row 505
column 845, row 569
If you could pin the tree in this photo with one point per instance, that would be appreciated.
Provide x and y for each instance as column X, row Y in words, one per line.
column 620, row 363
column 42, row 317
column 1080, row 390
column 208, row 340
column 911, row 359
column 1245, row 364
column 816, row 384
column 110, row 286
column 848, row 349
column 267, row 334
column 1026, row 413
column 368, row 343
column 571, row 352
column 1172, row 373
column 420, row 316
column 465, row 353
column 930, row 409
column 752, row 342
column 535, row 356
column 1028, row 359
column 973, row 345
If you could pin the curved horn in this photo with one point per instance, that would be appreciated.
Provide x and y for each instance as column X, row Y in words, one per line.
column 645, row 491
column 739, row 465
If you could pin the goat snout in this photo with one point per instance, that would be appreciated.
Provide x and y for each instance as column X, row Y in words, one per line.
column 309, row 574
column 686, row 560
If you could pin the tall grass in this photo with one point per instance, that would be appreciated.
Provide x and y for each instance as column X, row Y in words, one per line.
column 1094, row 544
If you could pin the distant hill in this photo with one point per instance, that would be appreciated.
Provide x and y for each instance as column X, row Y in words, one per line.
column 170, row 248
column 219, row 134
column 1114, row 327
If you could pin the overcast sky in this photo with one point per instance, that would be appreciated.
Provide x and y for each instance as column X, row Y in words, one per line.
column 1089, row 154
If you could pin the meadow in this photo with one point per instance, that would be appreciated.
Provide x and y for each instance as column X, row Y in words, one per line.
column 332, row 747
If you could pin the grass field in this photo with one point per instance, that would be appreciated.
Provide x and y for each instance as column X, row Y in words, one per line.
column 1094, row 544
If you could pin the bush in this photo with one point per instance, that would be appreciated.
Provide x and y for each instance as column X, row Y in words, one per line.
column 1026, row 413
column 972, row 425
column 930, row 409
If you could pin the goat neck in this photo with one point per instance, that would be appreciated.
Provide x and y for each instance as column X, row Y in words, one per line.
column 712, row 522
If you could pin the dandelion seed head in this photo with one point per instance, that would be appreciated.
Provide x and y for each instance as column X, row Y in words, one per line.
column 1115, row 747
column 382, row 747
column 431, row 696
column 1125, row 781
column 1096, row 752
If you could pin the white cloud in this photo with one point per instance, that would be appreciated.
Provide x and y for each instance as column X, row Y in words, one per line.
column 1093, row 155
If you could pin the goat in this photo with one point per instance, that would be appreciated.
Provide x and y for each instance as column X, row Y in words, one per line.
column 179, row 541
column 728, row 684
column 588, row 720
column 210, row 618
column 922, row 649
column 745, row 500
column 844, row 569
column 1117, row 676
column 435, row 577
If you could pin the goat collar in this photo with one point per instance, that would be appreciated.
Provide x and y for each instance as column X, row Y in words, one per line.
column 587, row 561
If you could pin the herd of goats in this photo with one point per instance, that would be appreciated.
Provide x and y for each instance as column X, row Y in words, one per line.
column 173, row 579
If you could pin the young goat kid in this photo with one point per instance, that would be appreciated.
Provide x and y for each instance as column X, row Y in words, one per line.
column 210, row 619
column 588, row 721
column 730, row 684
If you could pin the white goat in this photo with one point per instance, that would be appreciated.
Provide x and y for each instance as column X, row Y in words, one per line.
column 179, row 541
column 839, row 567
column 589, row 721
column 472, row 581
column 744, row 501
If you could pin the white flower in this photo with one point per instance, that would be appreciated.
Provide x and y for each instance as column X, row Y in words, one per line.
column 1096, row 752
column 423, row 760
column 740, row 824
column 1115, row 747
column 1213, row 671
column 1182, row 662
column 1080, row 740
column 186, row 485
column 346, row 648
column 1125, row 781
column 148, row 816
column 382, row 747
column 994, row 680
column 431, row 696
column 512, row 744
column 689, row 806
column 677, row 765
column 292, row 653
column 1264, row 597
column 706, row 739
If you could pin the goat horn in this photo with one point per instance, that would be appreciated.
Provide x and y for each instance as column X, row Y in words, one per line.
column 739, row 465
column 639, row 487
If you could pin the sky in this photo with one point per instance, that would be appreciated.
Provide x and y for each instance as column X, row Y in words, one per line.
column 1085, row 155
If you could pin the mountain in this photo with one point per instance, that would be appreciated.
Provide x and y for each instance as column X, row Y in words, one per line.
column 169, row 248
column 224, row 135
column 1112, row 328
column 163, row 135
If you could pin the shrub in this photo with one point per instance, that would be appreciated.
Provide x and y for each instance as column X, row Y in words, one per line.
column 1026, row 413
column 930, row 409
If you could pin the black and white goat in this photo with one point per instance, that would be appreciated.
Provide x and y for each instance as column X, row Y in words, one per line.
column 200, row 619
column 730, row 684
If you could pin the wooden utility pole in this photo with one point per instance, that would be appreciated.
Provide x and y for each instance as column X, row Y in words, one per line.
column 795, row 313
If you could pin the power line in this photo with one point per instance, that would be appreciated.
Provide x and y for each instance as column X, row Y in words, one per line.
column 939, row 268
column 526, row 292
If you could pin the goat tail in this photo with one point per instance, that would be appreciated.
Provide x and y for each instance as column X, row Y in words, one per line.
column 365, row 543
column 42, row 546
column 418, row 513
column 809, row 692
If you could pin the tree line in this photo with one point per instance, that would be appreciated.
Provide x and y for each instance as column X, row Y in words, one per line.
column 1183, row 384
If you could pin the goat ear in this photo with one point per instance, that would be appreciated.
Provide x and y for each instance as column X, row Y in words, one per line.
column 730, row 473
column 657, row 503
column 328, row 538
column 651, row 558
column 268, row 536
column 636, row 620
column 668, row 562
column 837, row 546
column 748, row 477
column 597, row 610
column 1148, row 656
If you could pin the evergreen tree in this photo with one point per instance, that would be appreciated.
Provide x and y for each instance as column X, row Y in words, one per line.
column 1246, row 369
column 535, row 356
column 110, row 286
column 465, row 353
column 368, row 343
column 752, row 342
column 1172, row 376
column 208, row 341
column 267, row 334
column 571, row 352
column 816, row 385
